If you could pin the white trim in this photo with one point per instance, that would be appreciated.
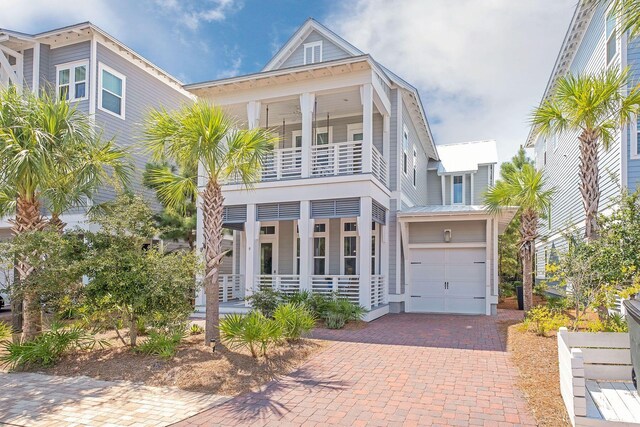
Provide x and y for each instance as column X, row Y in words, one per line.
column 447, row 245
column 35, row 84
column 633, row 138
column 355, row 234
column 312, row 46
column 443, row 184
column 93, row 77
column 353, row 128
column 296, row 235
column 102, row 67
column 294, row 134
column 322, row 129
column 614, row 34
column 414, row 178
column 471, row 179
column 71, row 66
column 325, row 234
column 453, row 202
column 405, row 152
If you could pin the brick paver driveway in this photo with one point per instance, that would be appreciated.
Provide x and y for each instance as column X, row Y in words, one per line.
column 405, row 369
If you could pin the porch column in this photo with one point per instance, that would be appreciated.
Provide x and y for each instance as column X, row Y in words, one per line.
column 253, row 114
column 252, row 246
column 305, row 231
column 386, row 148
column 367, row 126
column 384, row 254
column 488, row 249
column 364, row 251
column 307, row 102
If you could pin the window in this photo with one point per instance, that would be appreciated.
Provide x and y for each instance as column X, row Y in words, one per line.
column 268, row 229
column 458, row 189
column 611, row 36
column 323, row 135
column 320, row 249
column 349, row 248
column 111, row 97
column 313, row 52
column 71, row 80
column 554, row 141
column 634, row 135
column 355, row 132
column 375, row 268
column 415, row 167
column 405, row 149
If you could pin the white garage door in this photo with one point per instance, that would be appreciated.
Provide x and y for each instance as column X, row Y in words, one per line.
column 447, row 281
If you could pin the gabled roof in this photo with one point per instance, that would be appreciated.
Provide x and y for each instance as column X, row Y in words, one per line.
column 86, row 29
column 301, row 34
column 466, row 156
column 579, row 24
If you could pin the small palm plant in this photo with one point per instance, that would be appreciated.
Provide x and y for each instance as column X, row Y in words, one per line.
column 201, row 133
column 596, row 108
column 526, row 188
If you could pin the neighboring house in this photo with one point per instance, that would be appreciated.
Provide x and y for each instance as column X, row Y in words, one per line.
column 357, row 198
column 592, row 44
column 103, row 77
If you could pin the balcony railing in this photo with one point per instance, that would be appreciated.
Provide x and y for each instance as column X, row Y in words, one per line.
column 345, row 286
column 230, row 287
column 342, row 158
column 377, row 290
column 286, row 283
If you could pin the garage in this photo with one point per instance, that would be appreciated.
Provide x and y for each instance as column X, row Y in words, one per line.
column 449, row 280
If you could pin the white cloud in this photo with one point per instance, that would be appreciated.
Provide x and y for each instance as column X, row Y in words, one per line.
column 480, row 66
column 192, row 13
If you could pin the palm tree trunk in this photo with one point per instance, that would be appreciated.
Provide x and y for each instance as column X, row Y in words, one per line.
column 589, row 185
column 57, row 223
column 28, row 218
column 212, row 200
column 528, row 234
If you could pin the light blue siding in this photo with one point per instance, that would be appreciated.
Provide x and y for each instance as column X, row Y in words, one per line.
column 71, row 53
column 416, row 194
column 27, row 68
column 434, row 188
column 633, row 165
column 330, row 51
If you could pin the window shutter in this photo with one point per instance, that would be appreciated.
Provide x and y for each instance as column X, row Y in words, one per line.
column 338, row 208
column 278, row 211
column 378, row 213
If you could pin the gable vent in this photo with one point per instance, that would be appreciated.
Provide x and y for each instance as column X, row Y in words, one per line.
column 337, row 208
column 378, row 213
column 278, row 211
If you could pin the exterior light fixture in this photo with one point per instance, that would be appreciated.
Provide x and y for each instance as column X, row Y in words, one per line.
column 447, row 235
column 212, row 343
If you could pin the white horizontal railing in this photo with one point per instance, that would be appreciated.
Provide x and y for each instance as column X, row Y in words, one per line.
column 285, row 283
column 345, row 286
column 285, row 163
column 344, row 158
column 230, row 287
column 379, row 166
column 377, row 290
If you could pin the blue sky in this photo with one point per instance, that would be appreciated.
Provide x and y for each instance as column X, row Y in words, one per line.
column 480, row 66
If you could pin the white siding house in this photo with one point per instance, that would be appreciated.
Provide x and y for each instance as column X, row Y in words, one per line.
column 345, row 202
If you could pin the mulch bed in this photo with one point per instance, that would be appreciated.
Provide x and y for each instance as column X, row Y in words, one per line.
column 195, row 367
column 536, row 358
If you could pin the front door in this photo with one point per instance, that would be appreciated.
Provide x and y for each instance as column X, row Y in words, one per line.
column 266, row 258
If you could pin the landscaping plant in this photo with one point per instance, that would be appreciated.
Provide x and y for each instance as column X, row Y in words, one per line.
column 294, row 320
column 541, row 320
column 163, row 343
column 253, row 331
column 5, row 330
column 196, row 329
column 47, row 348
column 339, row 310
column 266, row 301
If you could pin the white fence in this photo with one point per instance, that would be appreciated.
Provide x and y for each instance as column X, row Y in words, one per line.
column 377, row 290
column 345, row 286
column 285, row 283
column 587, row 361
column 230, row 287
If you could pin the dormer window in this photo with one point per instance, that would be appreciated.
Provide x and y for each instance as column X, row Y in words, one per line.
column 458, row 189
column 313, row 52
column 71, row 80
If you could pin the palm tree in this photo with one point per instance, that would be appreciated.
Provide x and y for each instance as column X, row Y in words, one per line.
column 201, row 133
column 41, row 140
column 596, row 108
column 628, row 14
column 526, row 188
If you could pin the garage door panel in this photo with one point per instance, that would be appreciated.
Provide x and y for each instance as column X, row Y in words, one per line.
column 463, row 256
column 426, row 304
column 428, row 256
column 465, row 305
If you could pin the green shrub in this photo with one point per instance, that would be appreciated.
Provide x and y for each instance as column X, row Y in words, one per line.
column 345, row 307
column 294, row 320
column 266, row 301
column 557, row 304
column 541, row 320
column 302, row 297
column 196, row 329
column 162, row 343
column 613, row 323
column 47, row 348
column 507, row 289
column 334, row 320
column 318, row 304
column 254, row 331
column 5, row 330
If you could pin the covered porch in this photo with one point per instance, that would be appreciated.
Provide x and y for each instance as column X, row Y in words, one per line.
column 326, row 247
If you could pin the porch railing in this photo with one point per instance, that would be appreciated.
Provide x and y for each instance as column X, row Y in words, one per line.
column 230, row 287
column 285, row 283
column 344, row 158
column 285, row 163
column 377, row 290
column 346, row 286
column 379, row 166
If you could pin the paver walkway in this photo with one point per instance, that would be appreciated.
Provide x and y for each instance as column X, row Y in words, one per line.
column 405, row 369
column 28, row 399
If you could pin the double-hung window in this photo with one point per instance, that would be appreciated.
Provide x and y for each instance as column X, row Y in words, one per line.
column 313, row 52
column 612, row 44
column 458, row 189
column 71, row 81
column 415, row 167
column 112, row 85
column 405, row 151
column 320, row 248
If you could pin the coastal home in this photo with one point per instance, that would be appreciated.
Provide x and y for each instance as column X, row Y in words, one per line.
column 593, row 43
column 357, row 198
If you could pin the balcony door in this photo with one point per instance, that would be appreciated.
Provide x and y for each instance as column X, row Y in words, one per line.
column 268, row 249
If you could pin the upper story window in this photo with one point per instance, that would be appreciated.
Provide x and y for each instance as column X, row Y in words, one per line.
column 313, row 52
column 71, row 80
column 634, row 136
column 111, row 97
column 612, row 45
column 415, row 167
column 458, row 189
column 405, row 151
column 554, row 141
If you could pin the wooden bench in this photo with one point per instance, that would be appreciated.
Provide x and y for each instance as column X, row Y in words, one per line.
column 595, row 378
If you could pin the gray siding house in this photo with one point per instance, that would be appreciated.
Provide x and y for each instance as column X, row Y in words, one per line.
column 357, row 198
column 592, row 44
